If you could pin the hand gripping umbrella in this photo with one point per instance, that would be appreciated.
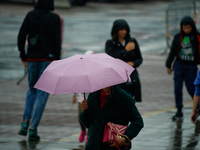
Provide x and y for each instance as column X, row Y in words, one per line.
column 83, row 74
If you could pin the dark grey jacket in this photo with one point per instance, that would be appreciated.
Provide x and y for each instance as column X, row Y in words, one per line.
column 41, row 21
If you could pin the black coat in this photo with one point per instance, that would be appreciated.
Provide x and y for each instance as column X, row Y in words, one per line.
column 119, row 108
column 115, row 49
column 48, row 25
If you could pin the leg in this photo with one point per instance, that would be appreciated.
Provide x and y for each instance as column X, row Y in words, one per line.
column 40, row 103
column 191, row 73
column 178, row 85
column 83, row 129
column 81, row 125
column 31, row 94
column 41, row 98
column 30, row 98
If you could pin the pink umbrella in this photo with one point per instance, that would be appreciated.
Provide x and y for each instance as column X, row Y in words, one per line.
column 83, row 74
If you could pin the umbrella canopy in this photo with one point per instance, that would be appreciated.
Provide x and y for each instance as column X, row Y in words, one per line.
column 83, row 74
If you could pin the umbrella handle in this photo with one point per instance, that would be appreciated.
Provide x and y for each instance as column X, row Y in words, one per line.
column 84, row 96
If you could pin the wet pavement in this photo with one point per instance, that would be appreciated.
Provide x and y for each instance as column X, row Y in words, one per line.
column 88, row 28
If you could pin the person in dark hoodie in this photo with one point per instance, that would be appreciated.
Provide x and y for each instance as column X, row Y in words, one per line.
column 124, row 47
column 43, row 29
column 184, row 53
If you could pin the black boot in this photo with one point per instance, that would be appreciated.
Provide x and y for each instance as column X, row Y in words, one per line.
column 178, row 115
column 33, row 136
column 24, row 128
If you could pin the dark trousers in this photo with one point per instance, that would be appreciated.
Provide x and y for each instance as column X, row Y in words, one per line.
column 183, row 73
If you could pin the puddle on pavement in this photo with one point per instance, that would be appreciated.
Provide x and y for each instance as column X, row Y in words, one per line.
column 26, row 145
column 194, row 138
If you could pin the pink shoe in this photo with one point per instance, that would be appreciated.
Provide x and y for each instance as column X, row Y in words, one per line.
column 86, row 139
column 82, row 136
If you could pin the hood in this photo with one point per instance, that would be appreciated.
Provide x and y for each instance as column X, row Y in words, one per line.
column 45, row 5
column 190, row 21
column 117, row 25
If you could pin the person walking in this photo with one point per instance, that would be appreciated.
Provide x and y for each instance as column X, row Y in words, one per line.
column 195, row 116
column 43, row 29
column 184, row 53
column 79, row 97
column 124, row 47
column 111, row 104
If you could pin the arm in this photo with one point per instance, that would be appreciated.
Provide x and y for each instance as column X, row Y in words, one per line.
column 22, row 38
column 84, row 114
column 135, row 118
column 85, row 118
column 115, row 51
column 173, row 52
column 57, row 38
column 195, row 104
column 137, row 62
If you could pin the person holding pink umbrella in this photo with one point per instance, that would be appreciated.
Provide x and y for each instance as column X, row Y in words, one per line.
column 111, row 104
column 90, row 74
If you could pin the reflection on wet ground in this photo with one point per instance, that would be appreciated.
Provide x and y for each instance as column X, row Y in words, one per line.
column 161, row 133
column 37, row 145
column 28, row 145
column 178, row 136
column 195, row 137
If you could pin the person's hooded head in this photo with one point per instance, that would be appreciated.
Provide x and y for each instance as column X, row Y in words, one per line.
column 118, row 25
column 188, row 26
column 45, row 5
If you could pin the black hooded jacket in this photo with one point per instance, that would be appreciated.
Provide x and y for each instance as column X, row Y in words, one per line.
column 177, row 41
column 41, row 21
column 115, row 49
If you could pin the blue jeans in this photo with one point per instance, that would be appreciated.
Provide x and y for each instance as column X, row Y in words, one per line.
column 183, row 73
column 35, row 99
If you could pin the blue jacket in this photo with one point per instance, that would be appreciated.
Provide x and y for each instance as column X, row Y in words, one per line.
column 197, row 85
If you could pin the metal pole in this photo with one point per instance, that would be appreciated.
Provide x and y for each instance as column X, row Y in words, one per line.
column 25, row 73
